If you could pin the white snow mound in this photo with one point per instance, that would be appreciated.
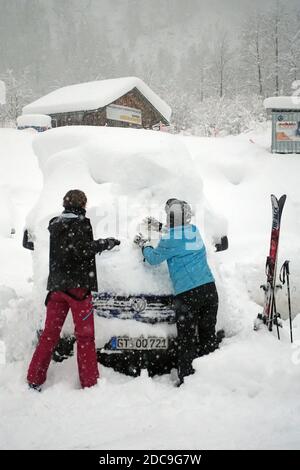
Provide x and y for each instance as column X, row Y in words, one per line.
column 127, row 175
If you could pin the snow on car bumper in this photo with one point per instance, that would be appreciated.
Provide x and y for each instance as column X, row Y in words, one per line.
column 144, row 308
column 157, row 354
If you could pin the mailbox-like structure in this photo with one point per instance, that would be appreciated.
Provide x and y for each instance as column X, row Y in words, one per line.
column 285, row 123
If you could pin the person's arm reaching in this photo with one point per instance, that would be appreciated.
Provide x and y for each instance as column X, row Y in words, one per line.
column 158, row 255
column 82, row 245
column 87, row 249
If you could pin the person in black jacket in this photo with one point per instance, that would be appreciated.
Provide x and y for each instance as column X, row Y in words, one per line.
column 72, row 277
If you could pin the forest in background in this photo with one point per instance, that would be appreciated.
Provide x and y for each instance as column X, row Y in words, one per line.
column 213, row 63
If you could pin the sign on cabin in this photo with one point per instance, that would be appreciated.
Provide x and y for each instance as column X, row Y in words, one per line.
column 124, row 114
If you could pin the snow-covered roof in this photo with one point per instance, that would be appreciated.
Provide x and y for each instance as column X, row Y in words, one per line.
column 282, row 102
column 94, row 95
column 36, row 120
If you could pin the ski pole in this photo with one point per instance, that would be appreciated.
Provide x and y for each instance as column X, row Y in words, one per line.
column 285, row 276
column 276, row 317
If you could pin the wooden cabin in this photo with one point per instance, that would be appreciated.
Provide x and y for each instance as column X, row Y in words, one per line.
column 121, row 102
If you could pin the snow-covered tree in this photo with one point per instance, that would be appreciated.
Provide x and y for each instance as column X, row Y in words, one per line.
column 222, row 55
column 291, row 38
column 251, row 53
column 191, row 51
column 18, row 93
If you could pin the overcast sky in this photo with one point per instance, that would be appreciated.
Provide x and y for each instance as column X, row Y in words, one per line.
column 66, row 41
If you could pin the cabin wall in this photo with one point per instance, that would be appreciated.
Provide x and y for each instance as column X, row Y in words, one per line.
column 135, row 99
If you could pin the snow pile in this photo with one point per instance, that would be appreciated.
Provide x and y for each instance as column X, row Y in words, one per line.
column 19, row 324
column 94, row 95
column 7, row 212
column 282, row 102
column 239, row 174
column 18, row 164
column 232, row 389
column 127, row 174
column 251, row 385
column 20, row 184
column 34, row 120
column 6, row 295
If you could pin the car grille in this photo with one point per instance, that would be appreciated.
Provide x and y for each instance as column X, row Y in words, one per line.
column 144, row 308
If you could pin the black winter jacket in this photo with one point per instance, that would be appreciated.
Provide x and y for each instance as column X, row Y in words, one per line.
column 72, row 252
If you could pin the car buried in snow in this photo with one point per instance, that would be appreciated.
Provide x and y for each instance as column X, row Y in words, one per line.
column 127, row 174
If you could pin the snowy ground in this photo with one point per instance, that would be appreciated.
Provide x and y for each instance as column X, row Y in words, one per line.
column 244, row 396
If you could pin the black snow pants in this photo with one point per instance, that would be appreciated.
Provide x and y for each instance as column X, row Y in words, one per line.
column 196, row 317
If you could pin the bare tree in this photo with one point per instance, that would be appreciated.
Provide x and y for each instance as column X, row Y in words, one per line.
column 273, row 27
column 291, row 58
column 276, row 43
column 251, row 52
column 222, row 54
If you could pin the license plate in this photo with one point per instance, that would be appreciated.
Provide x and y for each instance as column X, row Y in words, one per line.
column 140, row 344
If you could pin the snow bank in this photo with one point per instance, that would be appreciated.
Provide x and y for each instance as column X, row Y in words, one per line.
column 18, row 164
column 94, row 95
column 250, row 386
column 20, row 184
column 282, row 102
column 239, row 175
column 34, row 120
column 232, row 389
column 6, row 294
column 7, row 213
column 118, row 155
column 127, row 175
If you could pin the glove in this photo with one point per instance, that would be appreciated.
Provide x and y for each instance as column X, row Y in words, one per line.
column 152, row 223
column 111, row 243
column 140, row 241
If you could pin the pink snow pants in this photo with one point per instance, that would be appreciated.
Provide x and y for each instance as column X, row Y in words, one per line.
column 58, row 306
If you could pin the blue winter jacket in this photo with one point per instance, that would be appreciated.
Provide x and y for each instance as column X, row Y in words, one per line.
column 183, row 249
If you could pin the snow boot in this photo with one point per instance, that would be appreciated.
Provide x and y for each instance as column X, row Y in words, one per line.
column 220, row 336
column 35, row 387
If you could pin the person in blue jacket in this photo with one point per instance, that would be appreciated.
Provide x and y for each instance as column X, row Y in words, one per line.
column 196, row 297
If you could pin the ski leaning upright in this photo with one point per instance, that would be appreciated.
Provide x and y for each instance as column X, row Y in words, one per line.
column 270, row 315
